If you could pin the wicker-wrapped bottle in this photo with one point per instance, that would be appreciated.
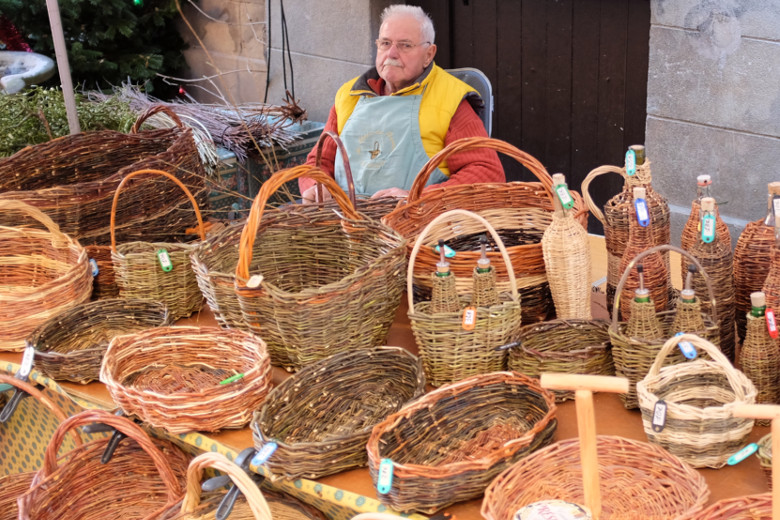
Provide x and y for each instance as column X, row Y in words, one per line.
column 643, row 322
column 687, row 313
column 750, row 257
column 484, row 292
column 771, row 287
column 444, row 293
column 692, row 228
column 640, row 238
column 716, row 258
column 567, row 257
column 759, row 357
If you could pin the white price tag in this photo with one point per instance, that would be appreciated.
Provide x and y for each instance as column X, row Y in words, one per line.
column 384, row 481
column 630, row 163
column 262, row 456
column 27, row 361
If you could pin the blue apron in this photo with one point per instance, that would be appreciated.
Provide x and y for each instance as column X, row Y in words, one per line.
column 383, row 143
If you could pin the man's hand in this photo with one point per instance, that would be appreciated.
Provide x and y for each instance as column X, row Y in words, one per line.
column 391, row 192
column 309, row 195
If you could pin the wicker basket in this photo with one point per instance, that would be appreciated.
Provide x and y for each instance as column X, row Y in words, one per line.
column 751, row 266
column 42, row 273
column 142, row 273
column 639, row 481
column 142, row 479
column 520, row 211
column 324, row 284
column 750, row 507
column 70, row 345
column 321, row 417
column 448, row 445
column 764, row 454
column 568, row 346
column 187, row 378
column 699, row 396
column 633, row 356
column 449, row 351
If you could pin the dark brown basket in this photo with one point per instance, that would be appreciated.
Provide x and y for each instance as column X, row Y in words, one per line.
column 70, row 345
column 449, row 444
column 321, row 417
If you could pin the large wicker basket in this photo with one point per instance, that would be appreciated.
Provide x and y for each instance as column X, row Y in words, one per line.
column 324, row 284
column 448, row 445
column 698, row 397
column 42, row 273
column 520, row 212
column 321, row 417
column 188, row 378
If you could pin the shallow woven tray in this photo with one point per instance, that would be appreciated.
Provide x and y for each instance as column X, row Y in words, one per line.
column 448, row 445
column 321, row 416
column 70, row 345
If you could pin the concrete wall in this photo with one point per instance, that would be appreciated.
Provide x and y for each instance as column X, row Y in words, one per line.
column 713, row 104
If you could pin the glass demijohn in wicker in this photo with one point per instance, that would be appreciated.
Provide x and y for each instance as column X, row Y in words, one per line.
column 567, row 257
column 643, row 323
column 713, row 251
column 444, row 293
column 692, row 228
column 484, row 292
column 771, row 287
column 687, row 315
column 640, row 238
column 759, row 356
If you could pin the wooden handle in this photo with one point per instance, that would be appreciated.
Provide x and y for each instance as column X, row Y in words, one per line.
column 154, row 109
column 558, row 381
column 344, row 160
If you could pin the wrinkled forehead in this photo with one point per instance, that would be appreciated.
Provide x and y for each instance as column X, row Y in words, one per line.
column 400, row 28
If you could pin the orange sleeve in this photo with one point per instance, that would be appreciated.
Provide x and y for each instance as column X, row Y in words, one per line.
column 328, row 152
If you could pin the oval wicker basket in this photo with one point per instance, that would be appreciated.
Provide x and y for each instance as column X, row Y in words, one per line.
column 520, row 212
column 181, row 378
column 42, row 273
column 638, row 481
column 750, row 507
column 448, row 445
column 321, row 416
column 70, row 345
column 700, row 395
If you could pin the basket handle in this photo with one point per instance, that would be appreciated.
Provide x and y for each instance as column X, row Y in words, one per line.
column 640, row 256
column 123, row 425
column 468, row 214
column 43, row 398
column 244, row 482
column 473, row 143
column 701, row 344
column 592, row 206
column 268, row 187
column 31, row 211
column 344, row 161
column 149, row 112
column 181, row 185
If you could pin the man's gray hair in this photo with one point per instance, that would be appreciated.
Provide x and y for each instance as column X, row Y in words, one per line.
column 426, row 24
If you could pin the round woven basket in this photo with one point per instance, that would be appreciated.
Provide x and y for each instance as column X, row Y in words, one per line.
column 750, row 507
column 42, row 273
column 70, row 345
column 568, row 346
column 449, row 444
column 764, row 455
column 188, row 378
column 321, row 416
column 638, row 481
column 699, row 395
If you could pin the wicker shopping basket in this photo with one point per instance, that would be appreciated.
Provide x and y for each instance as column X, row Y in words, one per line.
column 520, row 212
column 448, row 445
column 449, row 351
column 42, row 273
column 142, row 479
column 633, row 356
column 324, row 284
column 320, row 417
column 159, row 271
column 188, row 378
column 697, row 398
column 70, row 345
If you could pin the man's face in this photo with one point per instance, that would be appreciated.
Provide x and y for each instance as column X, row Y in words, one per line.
column 400, row 66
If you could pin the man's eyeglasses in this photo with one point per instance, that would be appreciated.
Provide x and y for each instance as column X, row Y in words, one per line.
column 383, row 44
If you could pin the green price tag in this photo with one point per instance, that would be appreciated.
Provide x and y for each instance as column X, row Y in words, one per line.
column 165, row 260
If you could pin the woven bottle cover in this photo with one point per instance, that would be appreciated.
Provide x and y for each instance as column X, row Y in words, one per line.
column 760, row 356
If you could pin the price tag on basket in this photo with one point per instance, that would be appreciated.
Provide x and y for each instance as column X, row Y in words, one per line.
column 688, row 350
column 708, row 229
column 448, row 251
column 659, row 416
column 94, row 265
column 384, row 481
column 262, row 456
column 564, row 196
column 630, row 163
column 469, row 318
column 27, row 362
column 165, row 260
column 771, row 323
column 642, row 214
column 742, row 454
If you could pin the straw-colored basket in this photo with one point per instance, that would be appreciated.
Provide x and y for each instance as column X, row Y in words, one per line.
column 321, row 417
column 449, row 444
column 180, row 378
column 764, row 454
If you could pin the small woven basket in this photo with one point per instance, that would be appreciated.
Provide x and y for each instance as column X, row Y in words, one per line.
column 449, row 444
column 321, row 416
column 567, row 346
column 633, row 356
column 188, row 378
column 450, row 352
column 699, row 396
column 141, row 271
column 42, row 273
column 639, row 481
column 520, row 212
column 142, row 479
column 70, row 345
column 324, row 284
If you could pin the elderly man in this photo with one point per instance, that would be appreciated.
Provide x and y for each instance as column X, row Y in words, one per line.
column 396, row 116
